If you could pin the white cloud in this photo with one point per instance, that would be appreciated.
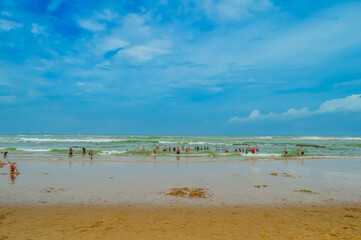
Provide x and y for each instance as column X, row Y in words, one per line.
column 91, row 25
column 348, row 104
column 5, row 13
column 8, row 25
column 36, row 30
column 143, row 53
column 110, row 43
column 235, row 9
column 106, row 14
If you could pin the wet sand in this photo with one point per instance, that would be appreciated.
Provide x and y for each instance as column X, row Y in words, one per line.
column 308, row 199
column 142, row 222
column 226, row 183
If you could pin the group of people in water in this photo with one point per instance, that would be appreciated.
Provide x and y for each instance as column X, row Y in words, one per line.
column 285, row 152
column 200, row 148
column 90, row 152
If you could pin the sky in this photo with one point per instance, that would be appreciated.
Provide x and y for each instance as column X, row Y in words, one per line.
column 233, row 67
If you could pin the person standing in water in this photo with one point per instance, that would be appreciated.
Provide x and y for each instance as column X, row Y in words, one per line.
column 70, row 152
column 285, row 151
column 178, row 150
column 302, row 151
column 84, row 150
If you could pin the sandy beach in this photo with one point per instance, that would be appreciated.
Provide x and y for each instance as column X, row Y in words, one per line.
column 177, row 199
column 143, row 222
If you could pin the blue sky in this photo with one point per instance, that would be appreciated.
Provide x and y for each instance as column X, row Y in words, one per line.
column 180, row 67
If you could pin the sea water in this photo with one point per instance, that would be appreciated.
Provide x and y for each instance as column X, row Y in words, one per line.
column 123, row 147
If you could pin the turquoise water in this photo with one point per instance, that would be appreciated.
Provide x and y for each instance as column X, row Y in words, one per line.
column 23, row 147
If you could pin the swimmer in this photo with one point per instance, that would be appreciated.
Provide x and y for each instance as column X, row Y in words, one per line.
column 298, row 152
column 253, row 150
column 226, row 150
column 164, row 149
column 155, row 151
column 173, row 149
column 257, row 148
column 248, row 148
column 137, row 149
column 302, row 151
column 285, row 151
column 14, row 168
column 143, row 149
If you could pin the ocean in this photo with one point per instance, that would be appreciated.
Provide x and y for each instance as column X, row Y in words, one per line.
column 123, row 147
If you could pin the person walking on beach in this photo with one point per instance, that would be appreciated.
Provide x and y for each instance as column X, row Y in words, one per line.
column 14, row 168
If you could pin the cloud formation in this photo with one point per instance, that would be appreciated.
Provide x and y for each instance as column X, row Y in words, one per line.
column 350, row 103
column 8, row 25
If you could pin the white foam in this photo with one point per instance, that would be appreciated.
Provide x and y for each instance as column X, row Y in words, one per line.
column 328, row 138
column 261, row 155
column 72, row 140
column 112, row 152
column 265, row 137
column 33, row 149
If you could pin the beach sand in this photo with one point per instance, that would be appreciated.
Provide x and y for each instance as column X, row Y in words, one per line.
column 311, row 199
column 183, row 222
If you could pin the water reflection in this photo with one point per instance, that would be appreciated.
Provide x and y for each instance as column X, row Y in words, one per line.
column 13, row 176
